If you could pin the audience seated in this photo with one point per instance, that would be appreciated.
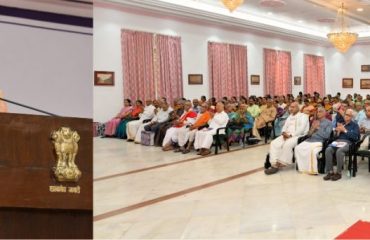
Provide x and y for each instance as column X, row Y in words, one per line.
column 305, row 152
column 365, row 128
column 161, row 116
column 178, row 110
column 345, row 133
column 268, row 114
column 187, row 134
column 111, row 126
column 185, row 125
column 204, row 137
column 281, row 148
column 240, row 122
column 188, row 117
column 148, row 113
column 134, row 115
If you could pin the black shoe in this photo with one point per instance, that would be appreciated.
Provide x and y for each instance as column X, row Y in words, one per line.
column 271, row 170
column 328, row 177
column 336, row 177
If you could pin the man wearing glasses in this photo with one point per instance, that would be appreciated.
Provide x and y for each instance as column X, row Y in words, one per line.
column 345, row 133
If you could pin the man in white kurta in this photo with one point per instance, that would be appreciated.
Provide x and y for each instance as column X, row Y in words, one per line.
column 160, row 117
column 281, row 148
column 204, row 137
column 133, row 126
column 306, row 152
column 3, row 106
column 188, row 134
column 188, row 117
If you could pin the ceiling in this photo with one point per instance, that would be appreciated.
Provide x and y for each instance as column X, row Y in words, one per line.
column 309, row 20
column 80, row 8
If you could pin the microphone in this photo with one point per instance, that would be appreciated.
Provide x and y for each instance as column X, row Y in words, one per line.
column 28, row 107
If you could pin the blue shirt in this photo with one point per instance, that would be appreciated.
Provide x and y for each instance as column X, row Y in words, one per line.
column 353, row 132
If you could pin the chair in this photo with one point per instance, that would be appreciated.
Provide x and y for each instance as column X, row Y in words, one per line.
column 360, row 152
column 268, row 129
column 219, row 138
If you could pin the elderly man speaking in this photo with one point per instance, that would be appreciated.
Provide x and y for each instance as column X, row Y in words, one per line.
column 281, row 149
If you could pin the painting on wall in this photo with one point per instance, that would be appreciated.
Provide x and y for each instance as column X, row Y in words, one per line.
column 103, row 78
column 365, row 83
column 255, row 79
column 347, row 83
column 365, row 68
column 195, row 79
column 297, row 80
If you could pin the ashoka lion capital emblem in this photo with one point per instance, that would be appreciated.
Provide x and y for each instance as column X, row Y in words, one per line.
column 65, row 143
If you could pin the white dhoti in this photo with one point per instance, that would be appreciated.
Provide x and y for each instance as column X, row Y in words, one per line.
column 138, row 134
column 184, row 135
column 132, row 127
column 282, row 150
column 306, row 156
column 171, row 135
column 204, row 138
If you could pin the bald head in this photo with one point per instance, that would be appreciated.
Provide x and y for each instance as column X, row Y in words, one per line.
column 294, row 108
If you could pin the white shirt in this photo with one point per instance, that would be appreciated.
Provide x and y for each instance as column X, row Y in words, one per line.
column 297, row 125
column 219, row 120
column 148, row 113
column 162, row 116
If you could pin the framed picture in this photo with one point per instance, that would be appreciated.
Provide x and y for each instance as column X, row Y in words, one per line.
column 195, row 79
column 255, row 79
column 365, row 68
column 103, row 78
column 365, row 83
column 347, row 83
column 297, row 81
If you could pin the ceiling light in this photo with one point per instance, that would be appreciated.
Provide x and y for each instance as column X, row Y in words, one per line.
column 232, row 4
column 342, row 39
column 360, row 9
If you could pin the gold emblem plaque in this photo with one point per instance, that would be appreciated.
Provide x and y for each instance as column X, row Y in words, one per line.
column 66, row 147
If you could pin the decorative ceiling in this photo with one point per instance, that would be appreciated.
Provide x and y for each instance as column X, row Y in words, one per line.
column 308, row 20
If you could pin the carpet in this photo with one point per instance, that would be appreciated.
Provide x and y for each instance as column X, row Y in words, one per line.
column 359, row 230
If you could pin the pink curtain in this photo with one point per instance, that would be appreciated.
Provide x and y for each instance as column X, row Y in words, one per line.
column 314, row 74
column 227, row 64
column 169, row 82
column 278, row 72
column 138, row 69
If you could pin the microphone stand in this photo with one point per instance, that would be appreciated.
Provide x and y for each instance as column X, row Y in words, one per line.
column 25, row 106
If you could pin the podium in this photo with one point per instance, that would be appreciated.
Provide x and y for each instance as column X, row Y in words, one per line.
column 33, row 203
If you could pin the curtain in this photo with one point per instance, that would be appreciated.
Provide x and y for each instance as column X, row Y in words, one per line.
column 152, row 66
column 138, row 68
column 278, row 72
column 169, row 82
column 227, row 64
column 314, row 74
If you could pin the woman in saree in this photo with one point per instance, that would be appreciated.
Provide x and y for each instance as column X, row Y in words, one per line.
column 111, row 126
column 133, row 115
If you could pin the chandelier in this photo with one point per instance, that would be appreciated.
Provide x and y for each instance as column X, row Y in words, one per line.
column 342, row 39
column 232, row 4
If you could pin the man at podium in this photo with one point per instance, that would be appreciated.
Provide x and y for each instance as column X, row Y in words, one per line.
column 3, row 107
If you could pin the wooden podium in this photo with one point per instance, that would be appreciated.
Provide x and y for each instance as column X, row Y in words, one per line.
column 33, row 204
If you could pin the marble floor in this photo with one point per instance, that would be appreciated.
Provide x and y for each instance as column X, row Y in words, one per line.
column 225, row 196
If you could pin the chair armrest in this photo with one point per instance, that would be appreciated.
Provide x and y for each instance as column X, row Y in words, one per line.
column 303, row 138
column 219, row 129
